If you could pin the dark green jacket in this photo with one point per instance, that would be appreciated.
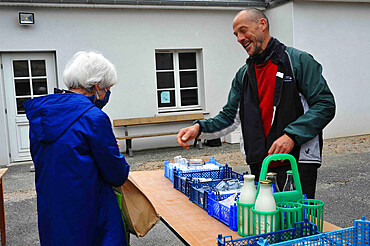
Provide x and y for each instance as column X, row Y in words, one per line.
column 316, row 98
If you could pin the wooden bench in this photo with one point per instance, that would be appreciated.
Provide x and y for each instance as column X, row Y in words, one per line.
column 125, row 123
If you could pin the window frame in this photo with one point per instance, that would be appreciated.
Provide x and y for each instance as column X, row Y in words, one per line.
column 176, row 70
column 30, row 79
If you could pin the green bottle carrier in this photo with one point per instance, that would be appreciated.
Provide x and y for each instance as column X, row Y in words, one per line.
column 291, row 207
column 286, row 196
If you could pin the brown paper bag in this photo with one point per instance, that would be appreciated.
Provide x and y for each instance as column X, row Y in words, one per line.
column 139, row 212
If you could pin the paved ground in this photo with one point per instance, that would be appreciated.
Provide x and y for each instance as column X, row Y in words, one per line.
column 342, row 185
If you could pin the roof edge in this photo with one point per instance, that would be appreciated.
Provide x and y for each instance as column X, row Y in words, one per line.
column 139, row 4
column 339, row 1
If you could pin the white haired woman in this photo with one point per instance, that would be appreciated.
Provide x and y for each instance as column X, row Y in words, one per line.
column 76, row 157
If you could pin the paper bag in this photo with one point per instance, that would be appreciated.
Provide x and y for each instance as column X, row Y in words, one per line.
column 139, row 212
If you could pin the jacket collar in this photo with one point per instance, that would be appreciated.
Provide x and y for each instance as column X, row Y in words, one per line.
column 274, row 51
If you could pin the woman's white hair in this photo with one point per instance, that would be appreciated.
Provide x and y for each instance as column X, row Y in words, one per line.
column 85, row 69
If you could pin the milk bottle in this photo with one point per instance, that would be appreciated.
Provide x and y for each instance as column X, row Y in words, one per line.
column 247, row 196
column 265, row 202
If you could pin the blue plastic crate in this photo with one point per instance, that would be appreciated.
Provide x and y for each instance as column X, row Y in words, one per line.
column 182, row 178
column 182, row 184
column 358, row 235
column 227, row 215
column 198, row 195
column 169, row 168
column 235, row 175
column 224, row 214
column 301, row 229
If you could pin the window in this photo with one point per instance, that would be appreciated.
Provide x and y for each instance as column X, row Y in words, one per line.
column 30, row 80
column 178, row 80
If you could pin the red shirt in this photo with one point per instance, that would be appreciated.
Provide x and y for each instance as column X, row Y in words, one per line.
column 266, row 77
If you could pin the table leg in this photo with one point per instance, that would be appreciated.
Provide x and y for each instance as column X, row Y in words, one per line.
column 2, row 214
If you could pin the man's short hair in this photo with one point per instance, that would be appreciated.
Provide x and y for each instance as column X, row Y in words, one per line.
column 256, row 15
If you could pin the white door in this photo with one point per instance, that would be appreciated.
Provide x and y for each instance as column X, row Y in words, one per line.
column 26, row 75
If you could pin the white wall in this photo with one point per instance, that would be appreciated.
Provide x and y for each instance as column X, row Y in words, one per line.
column 334, row 33
column 281, row 22
column 129, row 37
column 337, row 35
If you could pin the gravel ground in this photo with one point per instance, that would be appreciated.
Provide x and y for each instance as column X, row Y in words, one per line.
column 230, row 153
column 342, row 185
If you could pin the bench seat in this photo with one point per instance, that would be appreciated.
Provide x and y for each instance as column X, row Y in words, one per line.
column 131, row 122
column 147, row 135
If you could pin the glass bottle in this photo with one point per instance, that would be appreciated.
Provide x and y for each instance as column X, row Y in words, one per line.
column 289, row 183
column 247, row 196
column 274, row 184
column 265, row 202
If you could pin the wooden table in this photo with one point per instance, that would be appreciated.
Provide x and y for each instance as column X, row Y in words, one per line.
column 2, row 210
column 186, row 219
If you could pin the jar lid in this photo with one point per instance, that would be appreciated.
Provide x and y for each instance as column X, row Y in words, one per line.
column 195, row 161
column 265, row 182
column 271, row 174
column 289, row 172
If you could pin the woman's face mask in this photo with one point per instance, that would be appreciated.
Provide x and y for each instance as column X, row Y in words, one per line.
column 100, row 103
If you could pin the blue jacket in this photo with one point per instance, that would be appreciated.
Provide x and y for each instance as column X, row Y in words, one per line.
column 77, row 161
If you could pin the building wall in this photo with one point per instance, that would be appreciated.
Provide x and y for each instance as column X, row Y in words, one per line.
column 281, row 22
column 129, row 37
column 336, row 34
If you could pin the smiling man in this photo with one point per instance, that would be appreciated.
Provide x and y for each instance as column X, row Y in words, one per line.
column 281, row 100
column 251, row 29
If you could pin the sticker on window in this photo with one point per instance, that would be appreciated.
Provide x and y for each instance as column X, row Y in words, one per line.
column 165, row 97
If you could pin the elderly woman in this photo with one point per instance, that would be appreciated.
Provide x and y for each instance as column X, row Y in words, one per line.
column 76, row 157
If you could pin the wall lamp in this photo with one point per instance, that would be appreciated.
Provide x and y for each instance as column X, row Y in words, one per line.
column 26, row 18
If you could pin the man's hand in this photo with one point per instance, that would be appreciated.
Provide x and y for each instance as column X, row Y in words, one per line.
column 187, row 134
column 282, row 145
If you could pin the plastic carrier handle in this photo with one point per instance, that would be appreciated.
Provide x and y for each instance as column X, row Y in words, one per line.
column 286, row 196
